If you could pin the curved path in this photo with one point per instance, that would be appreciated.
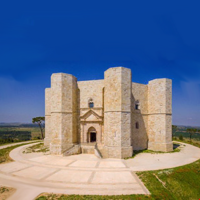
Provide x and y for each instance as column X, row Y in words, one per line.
column 16, row 143
column 85, row 173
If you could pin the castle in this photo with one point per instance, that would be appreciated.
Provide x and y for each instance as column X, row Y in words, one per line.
column 115, row 114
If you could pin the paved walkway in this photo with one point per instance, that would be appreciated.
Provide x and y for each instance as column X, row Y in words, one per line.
column 35, row 173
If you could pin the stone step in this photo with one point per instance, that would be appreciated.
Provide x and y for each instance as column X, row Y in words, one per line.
column 88, row 148
column 88, row 144
column 73, row 150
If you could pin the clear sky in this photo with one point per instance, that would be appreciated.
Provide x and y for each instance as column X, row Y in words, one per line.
column 156, row 39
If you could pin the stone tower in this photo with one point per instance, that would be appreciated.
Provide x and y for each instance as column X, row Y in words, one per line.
column 62, row 114
column 117, row 112
column 160, row 115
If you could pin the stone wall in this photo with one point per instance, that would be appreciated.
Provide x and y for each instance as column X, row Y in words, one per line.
column 139, row 136
column 160, row 111
column 48, row 132
column 91, row 90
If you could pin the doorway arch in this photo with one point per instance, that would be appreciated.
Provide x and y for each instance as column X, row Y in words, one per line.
column 92, row 135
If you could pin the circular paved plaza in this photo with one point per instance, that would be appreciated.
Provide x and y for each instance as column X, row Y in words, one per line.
column 34, row 173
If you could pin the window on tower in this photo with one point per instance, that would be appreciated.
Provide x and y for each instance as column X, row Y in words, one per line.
column 91, row 103
column 137, row 125
column 137, row 105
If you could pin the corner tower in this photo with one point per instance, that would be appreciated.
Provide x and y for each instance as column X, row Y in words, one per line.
column 63, row 97
column 117, row 112
column 160, row 115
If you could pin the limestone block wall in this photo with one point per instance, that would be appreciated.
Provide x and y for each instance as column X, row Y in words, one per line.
column 159, row 118
column 48, row 132
column 139, row 136
column 91, row 89
column 63, row 112
column 117, row 112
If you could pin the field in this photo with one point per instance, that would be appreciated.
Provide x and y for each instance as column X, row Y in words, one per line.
column 22, row 132
column 186, row 135
column 183, row 136
column 9, row 134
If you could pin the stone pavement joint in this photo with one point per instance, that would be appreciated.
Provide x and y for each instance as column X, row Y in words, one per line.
column 91, row 177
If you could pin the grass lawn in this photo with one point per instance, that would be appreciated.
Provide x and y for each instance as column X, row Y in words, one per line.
column 10, row 143
column 37, row 148
column 28, row 141
column 181, row 183
column 176, row 148
column 5, row 192
column 34, row 132
column 4, row 153
column 194, row 142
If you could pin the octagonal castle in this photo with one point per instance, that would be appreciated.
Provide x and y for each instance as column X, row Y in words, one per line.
column 109, row 117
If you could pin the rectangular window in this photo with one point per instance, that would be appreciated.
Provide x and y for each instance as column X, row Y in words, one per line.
column 137, row 125
column 91, row 105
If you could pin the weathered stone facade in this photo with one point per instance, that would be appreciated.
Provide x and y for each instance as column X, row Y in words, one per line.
column 118, row 115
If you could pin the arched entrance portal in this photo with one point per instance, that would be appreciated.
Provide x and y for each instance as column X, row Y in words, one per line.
column 91, row 136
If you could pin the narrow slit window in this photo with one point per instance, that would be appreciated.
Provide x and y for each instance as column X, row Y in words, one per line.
column 137, row 125
column 137, row 105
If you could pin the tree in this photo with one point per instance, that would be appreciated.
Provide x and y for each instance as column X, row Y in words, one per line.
column 40, row 121
column 191, row 131
column 174, row 129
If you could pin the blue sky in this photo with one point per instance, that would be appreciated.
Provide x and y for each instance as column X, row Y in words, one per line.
column 156, row 39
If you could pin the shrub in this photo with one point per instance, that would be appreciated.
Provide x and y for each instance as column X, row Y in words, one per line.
column 180, row 137
column 174, row 138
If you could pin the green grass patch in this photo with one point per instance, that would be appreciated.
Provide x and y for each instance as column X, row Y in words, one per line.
column 3, row 189
column 176, row 148
column 36, row 148
column 4, row 153
column 177, row 183
column 19, row 133
column 90, row 197
column 5, row 192
column 185, row 134
column 19, row 142
column 193, row 142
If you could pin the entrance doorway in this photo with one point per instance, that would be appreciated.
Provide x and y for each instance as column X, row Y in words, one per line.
column 92, row 137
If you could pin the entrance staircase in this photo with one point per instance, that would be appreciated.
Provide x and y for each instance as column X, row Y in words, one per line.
column 75, row 149
column 85, row 148
column 90, row 148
